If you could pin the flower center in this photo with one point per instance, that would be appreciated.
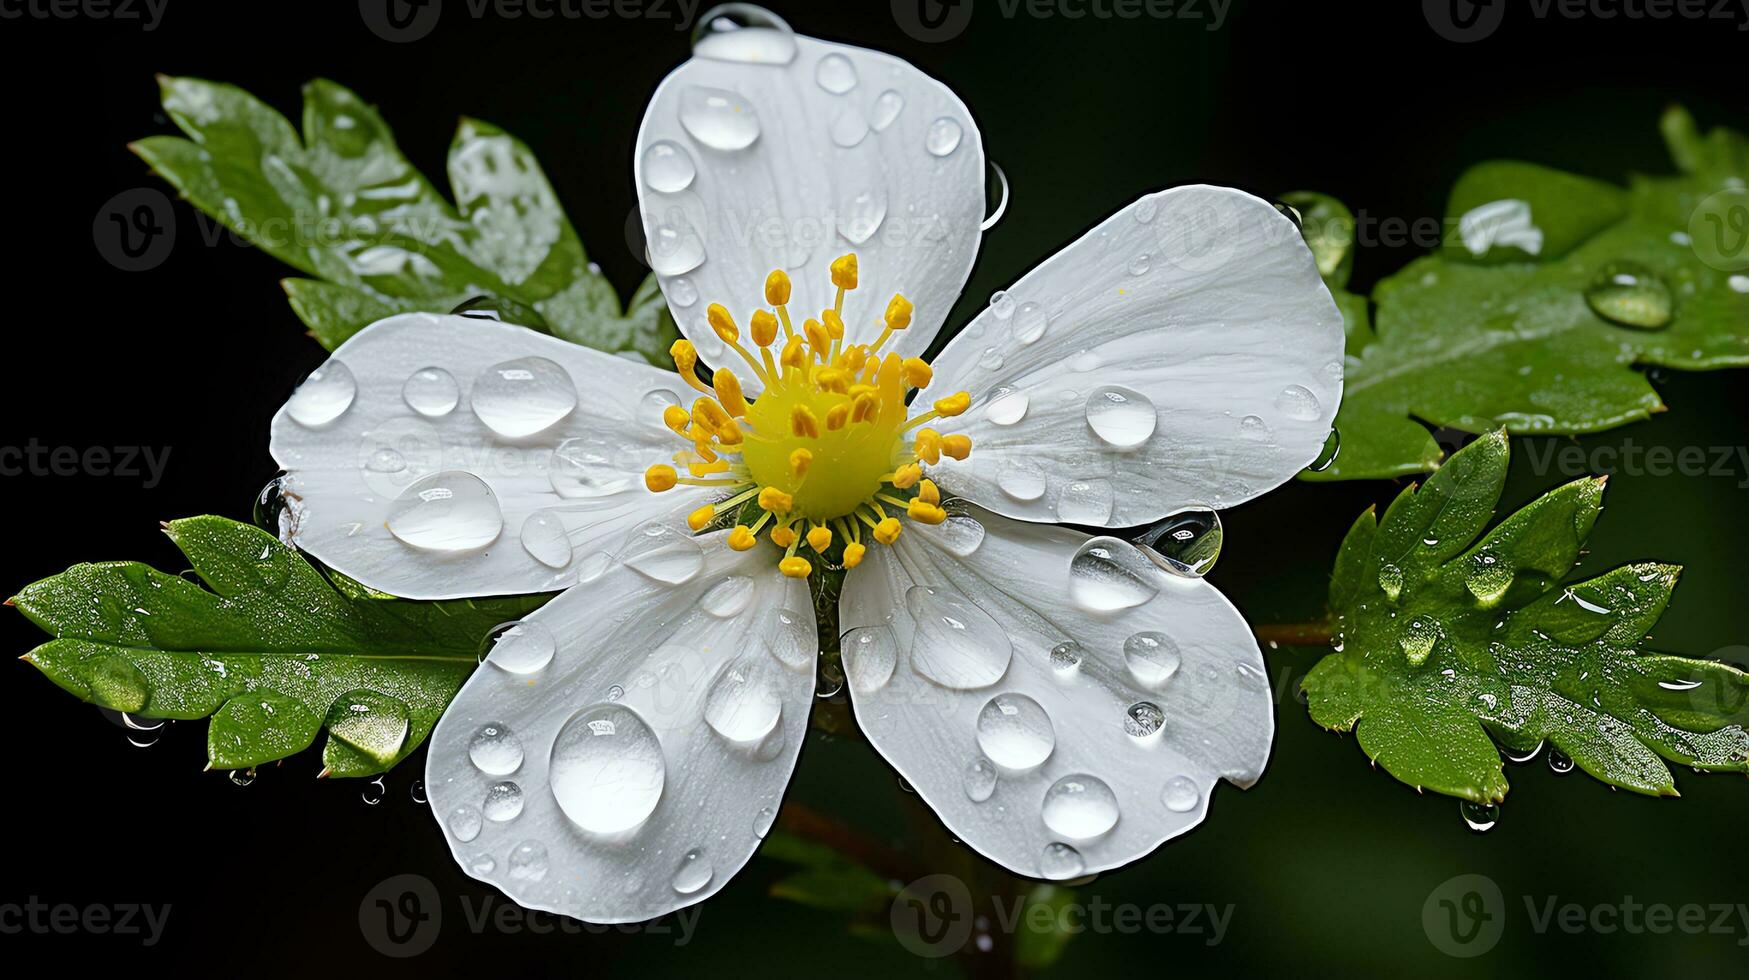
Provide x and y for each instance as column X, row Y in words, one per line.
column 828, row 451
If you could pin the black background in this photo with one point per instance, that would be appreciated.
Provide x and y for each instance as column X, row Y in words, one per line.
column 1326, row 862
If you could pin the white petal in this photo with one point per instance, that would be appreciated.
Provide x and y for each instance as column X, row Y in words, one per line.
column 986, row 753
column 353, row 480
column 795, row 198
column 1184, row 352
column 648, row 757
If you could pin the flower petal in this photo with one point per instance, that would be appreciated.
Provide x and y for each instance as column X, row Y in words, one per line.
column 1053, row 760
column 638, row 770
column 720, row 213
column 428, row 457
column 1184, row 352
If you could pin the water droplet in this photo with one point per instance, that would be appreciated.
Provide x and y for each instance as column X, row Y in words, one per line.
column 1140, row 265
column 979, row 780
column 370, row 722
column 521, row 648
column 960, row 535
column 1187, row 543
column 1180, row 794
column 849, row 127
column 956, row 644
column 682, row 292
column 861, row 215
column 995, row 195
column 385, row 460
column 869, row 654
column 483, row 864
column 1066, row 656
column 503, row 801
column 543, row 537
column 1297, row 402
column 1479, row 817
column 1001, row 305
column 694, row 872
column 324, row 396
column 431, row 391
column 728, row 597
column 465, row 822
column 1121, row 417
column 943, row 137
column 1146, row 209
column 835, row 74
column 763, row 820
column 887, row 107
column 1015, row 731
column 793, row 640
column 668, row 168
column 607, row 769
column 528, row 861
column 1152, row 658
column 746, row 33
column 673, row 247
column 742, row 704
column 662, row 553
column 448, row 511
column 829, row 682
column 374, row 792
column 242, row 777
column 1080, row 806
column 1488, row 578
column 1391, row 581
column 1630, row 295
column 270, row 505
column 1418, row 639
column 1254, row 428
column 719, row 119
column 992, row 359
column 1030, row 321
column 1021, row 481
column 495, row 750
column 1522, row 757
column 1559, row 762
column 1327, row 455
column 1060, row 862
column 1107, row 574
column 1006, row 406
column 518, row 398
column 1085, row 502
column 1142, row 719
column 583, row 466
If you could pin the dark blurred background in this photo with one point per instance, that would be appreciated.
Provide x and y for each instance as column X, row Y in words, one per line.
column 1326, row 863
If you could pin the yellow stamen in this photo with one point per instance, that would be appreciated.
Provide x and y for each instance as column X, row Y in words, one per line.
column 730, row 433
column 925, row 513
column 775, row 500
column 676, row 418
column 928, row 446
column 741, row 538
column 853, row 553
column 660, row 477
column 803, row 422
column 706, row 412
column 817, row 337
column 898, row 315
column 928, row 493
column 777, row 287
column 783, row 536
column 918, row 373
column 844, row 271
column 819, row 537
column 795, row 566
column 701, row 518
column 907, row 476
column 864, row 408
column 764, row 328
column 887, row 531
column 729, row 392
column 834, row 324
column 836, row 416
column 799, row 461
column 953, row 404
column 957, row 446
column 686, row 364
column 718, row 317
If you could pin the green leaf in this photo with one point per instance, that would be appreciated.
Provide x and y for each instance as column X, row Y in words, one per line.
column 1507, row 338
column 824, row 879
column 1036, row 949
column 343, row 206
column 270, row 648
column 1447, row 635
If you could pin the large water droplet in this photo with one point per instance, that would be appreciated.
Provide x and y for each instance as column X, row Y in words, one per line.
column 956, row 644
column 324, row 396
column 1107, row 574
column 1021, row 481
column 1152, row 657
column 861, row 215
column 448, row 511
column 1418, row 639
column 835, row 74
column 662, row 553
column 465, row 822
column 1080, row 806
column 431, row 391
column 1560, row 763
column 1479, row 817
column 503, row 801
column 1085, row 502
column 1015, row 731
column 1187, row 543
column 980, row 780
column 528, row 861
column 668, row 168
column 887, row 107
column 1488, row 577
column 1180, row 794
column 1143, row 719
column 728, row 597
column 522, row 648
column 960, row 534
column 1006, row 406
column 1060, row 862
column 1030, row 321
column 495, row 750
column 607, row 770
column 543, row 537
column 1297, row 402
column 743, row 704
column 583, row 466
column 746, row 33
column 1327, row 455
column 1391, row 580
column 717, row 118
column 870, row 653
column 521, row 397
column 793, row 640
column 1630, row 295
column 849, row 127
column 694, row 872
column 674, row 247
column 943, row 137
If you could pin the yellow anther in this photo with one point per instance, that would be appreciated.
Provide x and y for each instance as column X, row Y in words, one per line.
column 741, row 538
column 834, row 324
column 925, row 513
column 795, row 566
column 676, row 418
column 724, row 324
column 776, row 501
column 837, row 416
column 799, row 461
column 701, row 518
column 844, row 271
column 777, row 287
column 703, row 469
column 729, row 392
column 729, row 434
column 853, row 553
column 957, row 446
column 928, row 446
column 887, row 531
column 898, row 312
column 928, row 492
column 817, row 337
column 855, row 357
column 685, row 356
column 917, row 372
column 783, row 536
column 764, row 328
column 795, row 354
column 907, row 476
column 660, row 477
column 819, row 537
column 953, row 404
column 803, row 422
column 834, row 380
column 706, row 412
column 864, row 408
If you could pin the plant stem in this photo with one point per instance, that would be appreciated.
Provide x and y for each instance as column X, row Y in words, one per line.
column 1314, row 634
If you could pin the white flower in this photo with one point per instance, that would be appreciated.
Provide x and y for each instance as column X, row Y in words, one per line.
column 1063, row 703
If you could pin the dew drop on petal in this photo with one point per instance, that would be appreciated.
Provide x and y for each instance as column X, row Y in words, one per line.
column 1030, row 321
column 887, row 107
column 522, row 648
column 465, row 822
column 1143, row 719
column 1006, row 406
column 1060, row 862
column 1297, row 402
column 324, row 396
column 1187, row 543
column 521, row 397
column 1085, row 502
column 743, row 703
column 668, row 168
column 1080, row 806
column 942, row 137
column 835, row 74
column 849, row 127
column 793, row 640
column 528, row 861
column 956, row 644
column 1107, row 574
column 431, row 391
column 980, row 780
column 746, row 33
column 662, row 553
column 693, row 874
column 1066, row 656
column 718, row 118
column 1015, row 731
column 495, row 750
column 1152, row 657
column 503, row 801
column 729, row 597
column 1180, row 794
column 582, row 466
column 870, row 653
column 448, row 511
column 1020, row 481
column 607, row 769
column 543, row 537
column 1121, row 417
